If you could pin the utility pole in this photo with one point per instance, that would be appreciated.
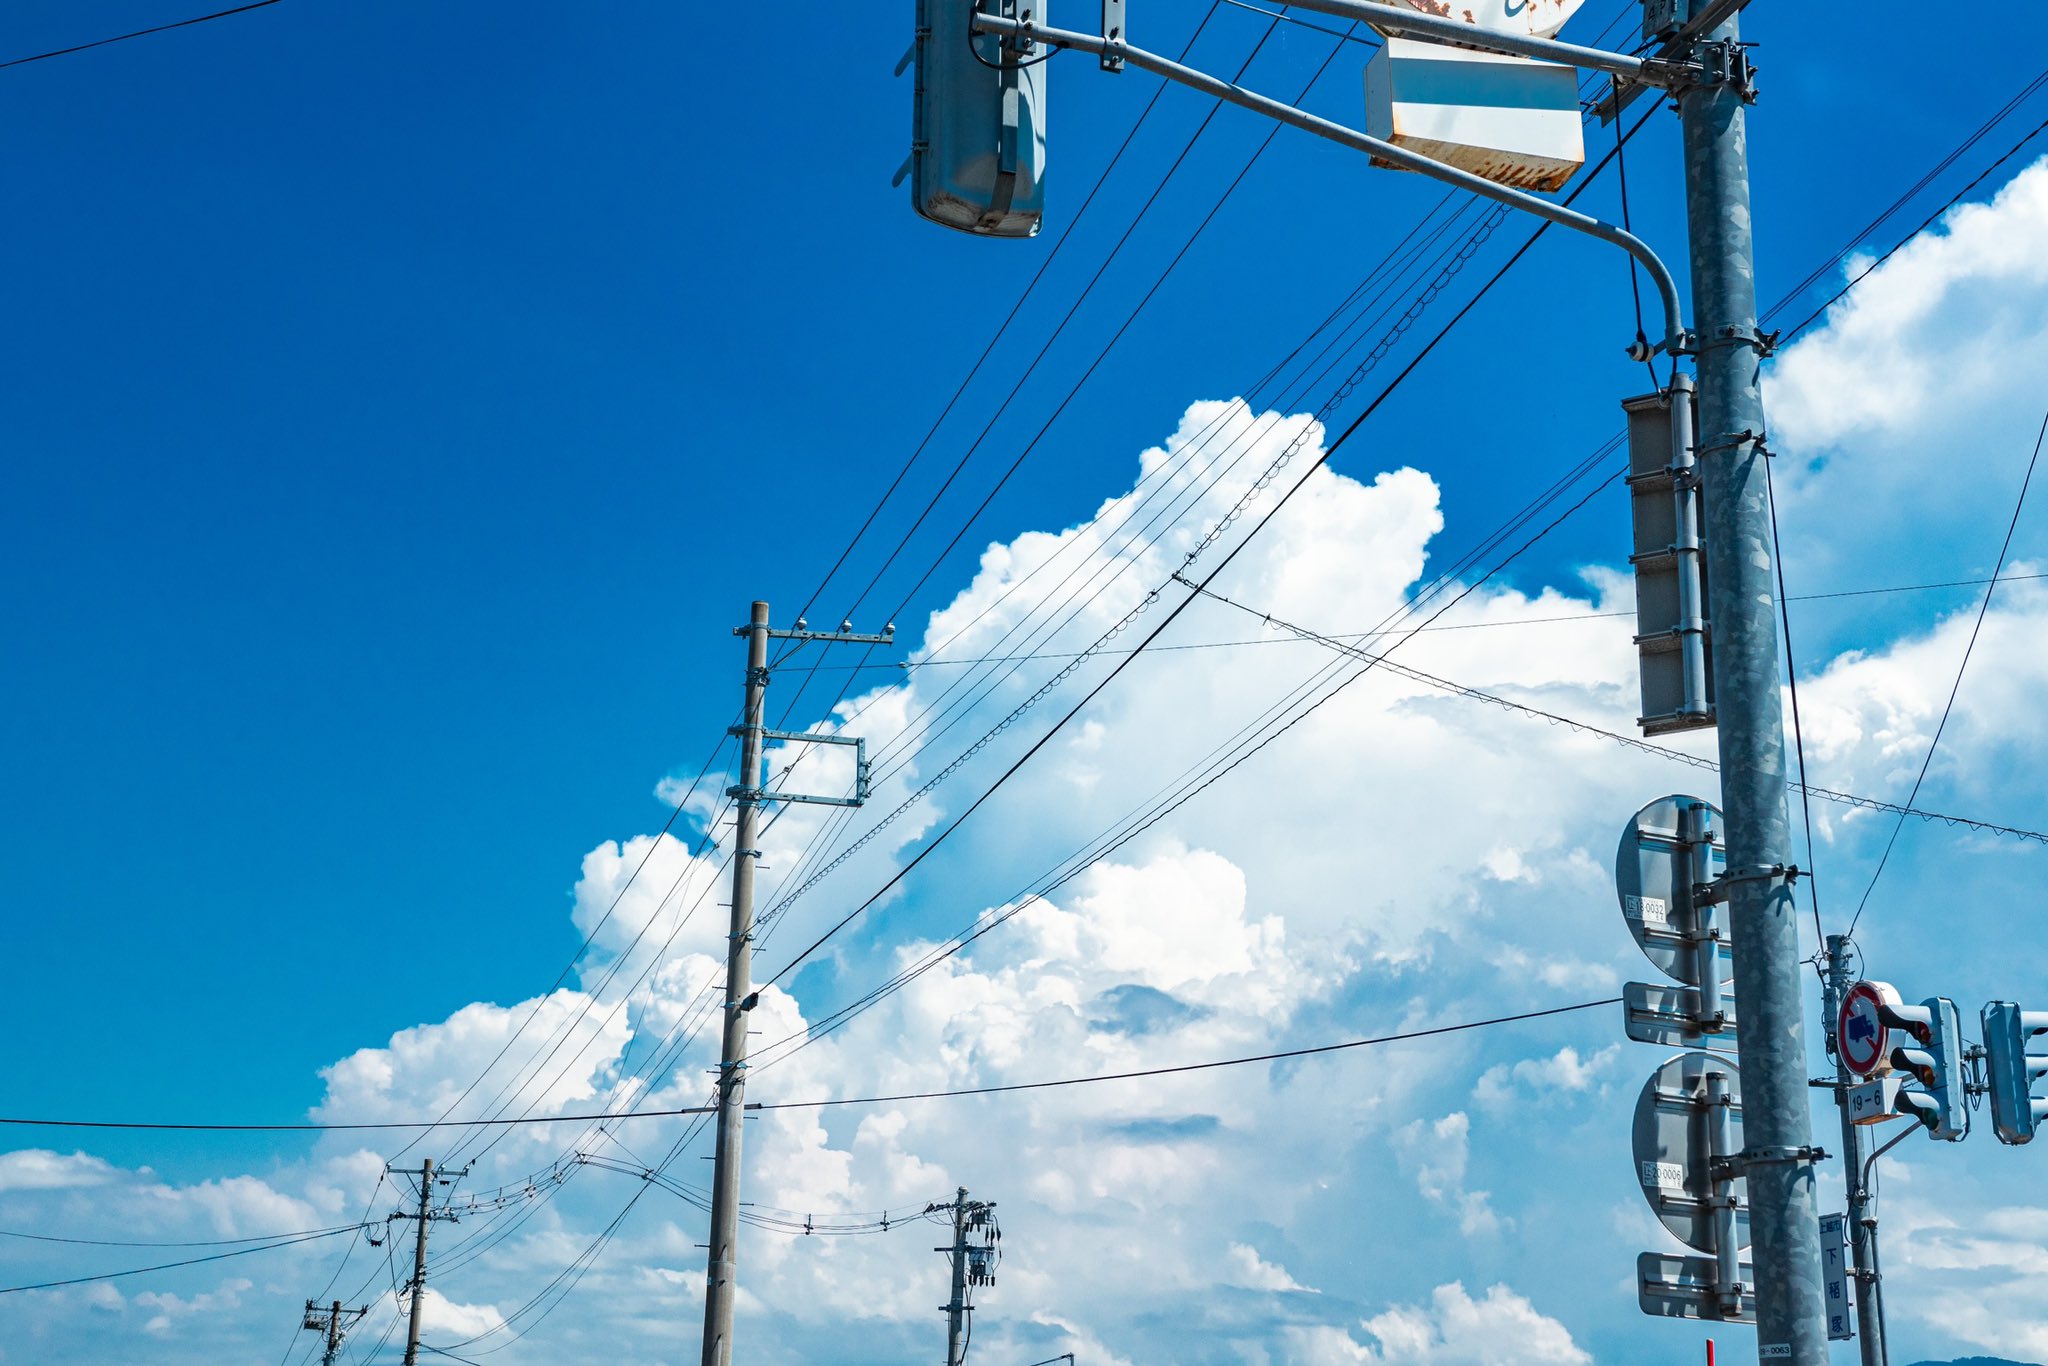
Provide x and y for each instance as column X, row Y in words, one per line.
column 1778, row 1162
column 739, row 972
column 956, row 1306
column 973, row 1256
column 748, row 796
column 329, row 1322
column 425, row 1215
column 1862, row 1224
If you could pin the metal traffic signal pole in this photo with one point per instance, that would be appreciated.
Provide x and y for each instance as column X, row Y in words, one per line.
column 1750, row 726
column 739, row 971
column 1862, row 1226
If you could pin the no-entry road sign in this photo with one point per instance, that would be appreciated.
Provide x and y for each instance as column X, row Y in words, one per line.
column 1861, row 1036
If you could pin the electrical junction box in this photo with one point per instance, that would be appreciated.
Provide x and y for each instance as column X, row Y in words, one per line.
column 1662, row 19
column 1510, row 120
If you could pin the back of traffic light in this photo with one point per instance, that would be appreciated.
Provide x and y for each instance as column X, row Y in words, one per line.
column 2010, row 1071
column 1934, row 1059
column 977, row 154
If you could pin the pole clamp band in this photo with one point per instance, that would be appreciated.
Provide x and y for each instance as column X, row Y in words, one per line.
column 1716, row 891
column 1729, row 1168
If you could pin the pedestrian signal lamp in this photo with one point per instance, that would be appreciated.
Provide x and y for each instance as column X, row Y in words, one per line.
column 2010, row 1071
column 1932, row 1058
column 977, row 155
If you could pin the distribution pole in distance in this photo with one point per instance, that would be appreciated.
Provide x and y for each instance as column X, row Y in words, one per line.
column 1791, row 1325
column 977, row 1247
column 329, row 1323
column 748, row 796
column 427, row 1174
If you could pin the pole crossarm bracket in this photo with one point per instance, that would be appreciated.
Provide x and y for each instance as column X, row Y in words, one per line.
column 741, row 792
column 1391, row 153
column 799, row 633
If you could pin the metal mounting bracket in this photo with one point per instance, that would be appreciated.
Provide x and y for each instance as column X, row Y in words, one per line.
column 1113, row 35
column 1740, row 1163
column 1716, row 891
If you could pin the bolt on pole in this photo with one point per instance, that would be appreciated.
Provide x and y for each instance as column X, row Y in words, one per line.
column 1791, row 1328
column 732, row 1067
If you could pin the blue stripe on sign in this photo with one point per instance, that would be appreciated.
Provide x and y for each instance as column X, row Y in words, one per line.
column 1484, row 85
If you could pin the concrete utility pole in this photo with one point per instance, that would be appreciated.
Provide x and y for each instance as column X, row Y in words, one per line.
column 425, row 1215
column 739, row 971
column 748, row 795
column 956, row 1307
column 1862, row 1225
column 1791, row 1327
column 977, row 1247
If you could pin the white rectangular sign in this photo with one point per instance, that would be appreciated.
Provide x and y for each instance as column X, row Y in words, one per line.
column 1834, row 1273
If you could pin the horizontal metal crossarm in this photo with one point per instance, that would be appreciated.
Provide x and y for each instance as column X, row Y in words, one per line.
column 1667, row 288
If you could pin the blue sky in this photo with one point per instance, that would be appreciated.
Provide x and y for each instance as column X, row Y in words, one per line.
column 405, row 402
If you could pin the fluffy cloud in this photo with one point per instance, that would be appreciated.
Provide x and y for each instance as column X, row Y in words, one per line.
column 1453, row 1329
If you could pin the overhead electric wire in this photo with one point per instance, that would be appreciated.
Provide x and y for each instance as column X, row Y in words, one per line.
column 589, row 939
column 138, row 33
column 1926, row 223
column 1225, row 759
column 168, row 1266
column 1983, row 609
column 1349, row 645
column 830, row 831
column 781, row 903
column 1177, row 1069
column 1066, row 234
column 202, row 1242
column 1331, row 449
column 1080, row 298
column 1948, row 159
column 911, row 666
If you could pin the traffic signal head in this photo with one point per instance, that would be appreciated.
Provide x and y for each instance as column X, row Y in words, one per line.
column 2010, row 1072
column 978, row 133
column 1935, row 1094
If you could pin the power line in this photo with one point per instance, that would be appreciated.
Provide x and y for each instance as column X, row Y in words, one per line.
column 1278, row 1056
column 1199, row 780
column 204, row 1242
column 139, row 33
column 166, row 1266
column 912, row 665
column 1925, row 224
column 1065, row 235
column 316, row 1127
column 1331, row 449
column 1349, row 646
column 1983, row 609
column 932, row 1095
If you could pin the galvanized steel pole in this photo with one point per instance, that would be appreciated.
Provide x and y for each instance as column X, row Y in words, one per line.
column 1777, row 1125
column 1862, row 1227
column 419, row 1263
column 739, row 973
column 956, row 1308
